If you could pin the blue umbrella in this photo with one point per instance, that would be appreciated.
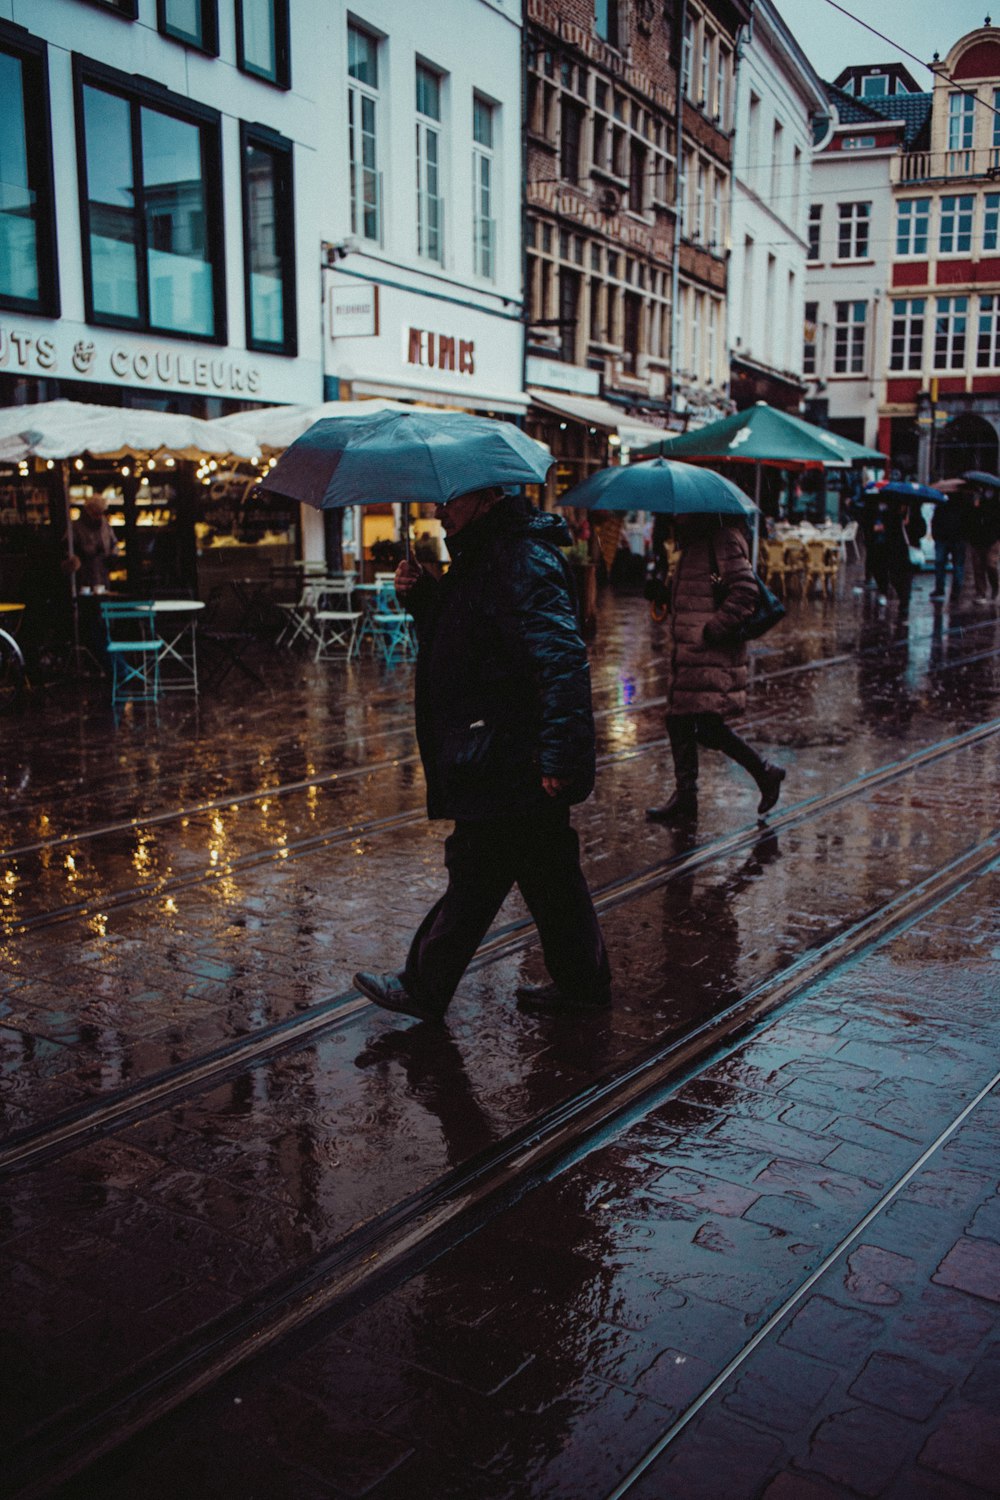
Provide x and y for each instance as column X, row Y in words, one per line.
column 987, row 481
column 409, row 456
column 906, row 489
column 662, row 486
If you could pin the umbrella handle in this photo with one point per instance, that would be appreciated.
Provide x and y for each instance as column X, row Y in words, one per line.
column 406, row 530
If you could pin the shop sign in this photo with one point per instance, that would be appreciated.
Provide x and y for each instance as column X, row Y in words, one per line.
column 41, row 354
column 354, row 311
column 438, row 351
column 556, row 376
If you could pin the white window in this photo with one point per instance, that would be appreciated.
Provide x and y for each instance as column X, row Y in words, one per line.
column 699, row 204
column 815, row 230
column 362, row 125
column 991, row 221
column 697, row 303
column 852, row 230
column 430, row 203
column 687, row 56
column 988, row 340
column 913, row 217
column 711, row 351
column 955, row 237
column 809, row 338
column 906, row 337
column 715, row 227
column 961, row 119
column 483, row 222
column 722, row 88
column 777, row 160
column 849, row 338
column 950, row 325
column 706, row 69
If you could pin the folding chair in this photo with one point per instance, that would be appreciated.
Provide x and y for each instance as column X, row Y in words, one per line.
column 224, row 638
column 392, row 628
column 334, row 621
column 133, row 649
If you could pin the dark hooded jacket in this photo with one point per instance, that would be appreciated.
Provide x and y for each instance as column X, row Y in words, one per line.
column 503, row 680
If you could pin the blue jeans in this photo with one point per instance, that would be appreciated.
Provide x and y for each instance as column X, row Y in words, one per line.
column 942, row 552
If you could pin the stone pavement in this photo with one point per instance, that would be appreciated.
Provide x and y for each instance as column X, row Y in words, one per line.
column 552, row 1350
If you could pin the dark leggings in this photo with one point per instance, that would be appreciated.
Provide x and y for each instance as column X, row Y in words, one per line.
column 688, row 731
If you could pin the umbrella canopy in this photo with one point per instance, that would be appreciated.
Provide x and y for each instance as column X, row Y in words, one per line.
column 950, row 486
column 277, row 427
column 763, row 434
column 67, row 429
column 405, row 456
column 905, row 489
column 663, row 487
column 988, row 481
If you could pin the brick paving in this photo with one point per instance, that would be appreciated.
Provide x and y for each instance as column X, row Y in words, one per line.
column 552, row 1349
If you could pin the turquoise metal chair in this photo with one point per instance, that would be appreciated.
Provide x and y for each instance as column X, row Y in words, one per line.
column 133, row 648
column 391, row 626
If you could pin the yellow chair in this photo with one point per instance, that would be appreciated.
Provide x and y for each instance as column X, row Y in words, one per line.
column 822, row 560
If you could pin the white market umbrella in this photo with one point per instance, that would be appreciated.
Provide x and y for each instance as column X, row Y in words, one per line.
column 68, row 429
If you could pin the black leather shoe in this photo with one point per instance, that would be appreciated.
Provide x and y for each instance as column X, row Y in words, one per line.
column 682, row 808
column 770, row 788
column 549, row 1000
column 389, row 991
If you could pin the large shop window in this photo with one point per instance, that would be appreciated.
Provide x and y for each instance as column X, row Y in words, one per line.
column 262, row 43
column 27, row 216
column 151, row 196
column 195, row 22
column 269, row 241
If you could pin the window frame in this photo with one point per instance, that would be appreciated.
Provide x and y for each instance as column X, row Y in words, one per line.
column 992, row 332
column 137, row 92
column 991, row 223
column 810, row 349
column 849, row 345
column 34, row 51
column 484, row 156
column 851, row 222
column 264, row 139
column 282, row 78
column 428, row 126
column 911, row 221
column 956, row 215
column 612, row 22
column 963, row 116
column 210, row 25
column 815, row 221
column 907, row 330
column 357, row 92
column 953, row 337
column 128, row 10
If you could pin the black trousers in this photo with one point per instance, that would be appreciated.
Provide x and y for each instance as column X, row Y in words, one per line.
column 484, row 860
column 895, row 570
column 688, row 731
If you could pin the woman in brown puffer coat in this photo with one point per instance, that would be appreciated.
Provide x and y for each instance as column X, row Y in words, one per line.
column 708, row 663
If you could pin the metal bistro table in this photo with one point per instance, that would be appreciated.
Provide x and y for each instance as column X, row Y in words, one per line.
column 176, row 620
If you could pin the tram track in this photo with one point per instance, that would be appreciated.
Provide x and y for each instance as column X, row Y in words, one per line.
column 402, row 1240
column 57, row 1136
column 284, row 850
column 232, row 800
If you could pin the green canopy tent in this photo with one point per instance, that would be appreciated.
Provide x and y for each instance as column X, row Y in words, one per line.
column 764, row 435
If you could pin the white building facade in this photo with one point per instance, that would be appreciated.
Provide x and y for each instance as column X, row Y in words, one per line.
column 422, row 203
column 159, row 242
column 778, row 97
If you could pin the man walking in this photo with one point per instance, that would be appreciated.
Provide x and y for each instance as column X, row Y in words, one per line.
column 506, row 736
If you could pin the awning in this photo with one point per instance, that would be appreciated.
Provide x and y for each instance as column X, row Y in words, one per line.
column 68, row 429
column 457, row 400
column 593, row 412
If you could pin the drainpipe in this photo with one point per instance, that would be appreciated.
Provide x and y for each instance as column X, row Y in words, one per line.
column 675, row 270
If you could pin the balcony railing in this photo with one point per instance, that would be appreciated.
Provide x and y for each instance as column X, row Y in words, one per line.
column 929, row 166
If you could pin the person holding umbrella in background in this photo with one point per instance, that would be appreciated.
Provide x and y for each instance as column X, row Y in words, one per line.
column 982, row 522
column 896, row 525
column 713, row 590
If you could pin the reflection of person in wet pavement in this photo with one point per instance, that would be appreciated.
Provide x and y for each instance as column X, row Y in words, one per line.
column 506, row 735
column 437, row 1079
column 708, row 663
column 885, row 698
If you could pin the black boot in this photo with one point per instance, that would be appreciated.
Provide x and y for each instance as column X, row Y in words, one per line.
column 683, row 805
column 769, row 781
column 681, row 808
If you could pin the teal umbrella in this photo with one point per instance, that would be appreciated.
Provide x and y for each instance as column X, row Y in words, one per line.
column 765, row 435
column 662, row 487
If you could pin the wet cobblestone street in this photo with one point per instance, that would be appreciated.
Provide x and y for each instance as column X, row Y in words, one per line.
column 739, row 1238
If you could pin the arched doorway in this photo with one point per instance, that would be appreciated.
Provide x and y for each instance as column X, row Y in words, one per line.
column 967, row 442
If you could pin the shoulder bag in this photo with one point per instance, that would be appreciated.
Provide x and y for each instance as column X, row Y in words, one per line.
column 769, row 610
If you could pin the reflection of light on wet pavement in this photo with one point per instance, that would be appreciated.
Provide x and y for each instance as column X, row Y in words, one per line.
column 622, row 729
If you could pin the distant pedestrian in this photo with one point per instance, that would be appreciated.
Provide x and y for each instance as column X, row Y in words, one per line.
column 896, row 525
column 708, row 664
column 506, row 735
column 94, row 544
column 948, row 531
column 982, row 521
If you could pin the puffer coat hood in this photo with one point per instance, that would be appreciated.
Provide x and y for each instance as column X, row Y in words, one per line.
column 503, row 680
column 709, row 675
